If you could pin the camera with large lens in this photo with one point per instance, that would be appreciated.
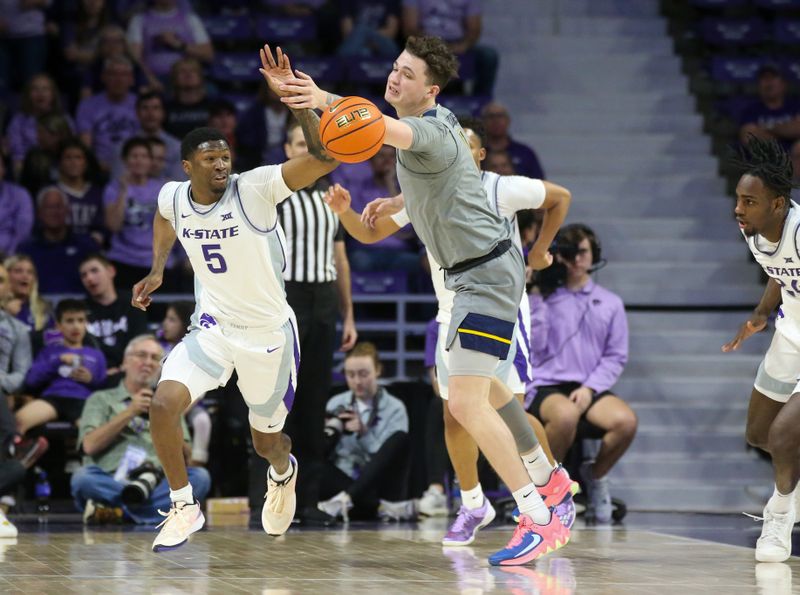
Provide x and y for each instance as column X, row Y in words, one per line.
column 141, row 482
column 555, row 276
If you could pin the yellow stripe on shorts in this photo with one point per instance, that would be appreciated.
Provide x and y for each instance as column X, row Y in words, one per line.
column 487, row 335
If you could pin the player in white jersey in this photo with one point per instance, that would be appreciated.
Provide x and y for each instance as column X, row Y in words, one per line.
column 770, row 222
column 227, row 224
column 506, row 195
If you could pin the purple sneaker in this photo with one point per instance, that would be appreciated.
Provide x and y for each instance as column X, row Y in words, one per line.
column 468, row 522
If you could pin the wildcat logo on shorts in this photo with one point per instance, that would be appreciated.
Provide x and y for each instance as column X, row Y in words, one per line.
column 207, row 321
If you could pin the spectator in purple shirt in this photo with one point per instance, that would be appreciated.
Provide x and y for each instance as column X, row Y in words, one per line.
column 773, row 114
column 398, row 252
column 130, row 205
column 459, row 23
column 579, row 347
column 164, row 34
column 63, row 374
column 113, row 44
column 39, row 97
column 524, row 159
column 77, row 179
column 108, row 119
column 26, row 305
column 55, row 250
column 80, row 37
column 16, row 214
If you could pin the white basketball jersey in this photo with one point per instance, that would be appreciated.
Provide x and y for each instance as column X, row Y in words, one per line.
column 506, row 196
column 236, row 248
column 782, row 263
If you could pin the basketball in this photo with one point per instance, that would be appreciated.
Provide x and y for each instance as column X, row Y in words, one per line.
column 352, row 129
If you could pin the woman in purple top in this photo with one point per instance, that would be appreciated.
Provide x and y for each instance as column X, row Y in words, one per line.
column 39, row 97
column 26, row 304
column 16, row 214
column 63, row 374
column 77, row 171
column 579, row 347
column 130, row 204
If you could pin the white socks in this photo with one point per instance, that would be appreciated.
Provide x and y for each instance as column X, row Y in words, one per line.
column 537, row 465
column 182, row 495
column 281, row 476
column 780, row 503
column 530, row 502
column 473, row 498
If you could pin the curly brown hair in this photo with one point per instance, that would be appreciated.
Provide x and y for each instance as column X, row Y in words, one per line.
column 441, row 62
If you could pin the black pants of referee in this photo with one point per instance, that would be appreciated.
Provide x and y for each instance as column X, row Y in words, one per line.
column 316, row 307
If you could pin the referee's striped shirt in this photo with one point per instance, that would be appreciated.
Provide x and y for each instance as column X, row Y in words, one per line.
column 311, row 228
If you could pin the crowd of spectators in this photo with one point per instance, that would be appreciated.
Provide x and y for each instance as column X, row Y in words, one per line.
column 84, row 154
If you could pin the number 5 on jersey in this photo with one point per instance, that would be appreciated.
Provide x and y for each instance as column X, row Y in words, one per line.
column 214, row 260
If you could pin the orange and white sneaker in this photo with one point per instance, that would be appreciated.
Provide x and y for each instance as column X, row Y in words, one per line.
column 182, row 520
column 280, row 502
column 531, row 541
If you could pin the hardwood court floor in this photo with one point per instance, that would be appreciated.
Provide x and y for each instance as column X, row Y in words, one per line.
column 636, row 559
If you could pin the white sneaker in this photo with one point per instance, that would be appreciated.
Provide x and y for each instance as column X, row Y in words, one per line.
column 182, row 520
column 280, row 502
column 6, row 528
column 775, row 543
column 599, row 496
column 404, row 510
column 433, row 503
column 338, row 506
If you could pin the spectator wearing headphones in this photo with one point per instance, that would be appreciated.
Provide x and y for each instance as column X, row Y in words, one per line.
column 579, row 347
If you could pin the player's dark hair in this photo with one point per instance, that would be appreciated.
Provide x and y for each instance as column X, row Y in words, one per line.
column 442, row 63
column 766, row 159
column 69, row 305
column 196, row 137
column 477, row 127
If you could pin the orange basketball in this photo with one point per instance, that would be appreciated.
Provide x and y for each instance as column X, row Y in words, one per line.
column 352, row 129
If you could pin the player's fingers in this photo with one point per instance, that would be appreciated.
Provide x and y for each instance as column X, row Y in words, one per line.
column 303, row 75
column 270, row 59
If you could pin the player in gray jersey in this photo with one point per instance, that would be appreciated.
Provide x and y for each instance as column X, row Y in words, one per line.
column 770, row 222
column 448, row 208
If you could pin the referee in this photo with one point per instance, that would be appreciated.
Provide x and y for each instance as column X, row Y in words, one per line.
column 317, row 277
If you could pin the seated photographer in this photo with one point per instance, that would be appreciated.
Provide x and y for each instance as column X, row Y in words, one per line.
column 121, row 472
column 579, row 347
column 367, row 429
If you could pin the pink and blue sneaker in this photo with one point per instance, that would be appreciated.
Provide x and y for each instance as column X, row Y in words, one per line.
column 557, row 494
column 531, row 541
column 468, row 522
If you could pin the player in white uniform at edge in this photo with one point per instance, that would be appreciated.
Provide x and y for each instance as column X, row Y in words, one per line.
column 770, row 222
column 227, row 224
column 506, row 195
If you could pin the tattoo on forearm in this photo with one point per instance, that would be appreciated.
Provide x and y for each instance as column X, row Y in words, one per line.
column 309, row 123
column 331, row 98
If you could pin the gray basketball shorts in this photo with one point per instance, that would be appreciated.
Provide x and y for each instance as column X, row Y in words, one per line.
column 484, row 314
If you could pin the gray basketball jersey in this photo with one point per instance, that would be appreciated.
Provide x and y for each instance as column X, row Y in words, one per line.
column 443, row 192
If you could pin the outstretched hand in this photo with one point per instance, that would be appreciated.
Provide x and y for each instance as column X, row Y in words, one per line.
column 141, row 291
column 301, row 92
column 337, row 198
column 381, row 207
column 756, row 323
column 275, row 70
